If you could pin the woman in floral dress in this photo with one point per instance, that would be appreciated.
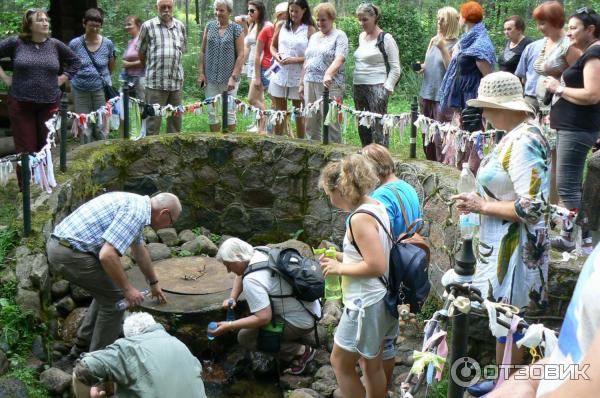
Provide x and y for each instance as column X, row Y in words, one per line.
column 512, row 200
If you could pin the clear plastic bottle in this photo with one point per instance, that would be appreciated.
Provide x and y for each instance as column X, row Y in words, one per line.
column 333, row 286
column 230, row 312
column 123, row 304
column 467, row 221
column 211, row 326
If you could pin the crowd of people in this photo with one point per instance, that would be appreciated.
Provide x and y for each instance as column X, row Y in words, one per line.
column 546, row 99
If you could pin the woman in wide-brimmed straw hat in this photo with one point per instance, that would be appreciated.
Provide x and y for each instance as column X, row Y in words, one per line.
column 511, row 199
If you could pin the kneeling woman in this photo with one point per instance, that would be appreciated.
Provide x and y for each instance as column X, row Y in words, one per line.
column 365, row 322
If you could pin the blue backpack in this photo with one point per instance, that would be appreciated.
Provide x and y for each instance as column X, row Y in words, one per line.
column 408, row 280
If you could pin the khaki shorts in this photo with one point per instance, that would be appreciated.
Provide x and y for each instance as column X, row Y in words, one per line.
column 277, row 91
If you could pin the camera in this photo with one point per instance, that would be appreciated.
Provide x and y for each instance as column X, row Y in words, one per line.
column 417, row 66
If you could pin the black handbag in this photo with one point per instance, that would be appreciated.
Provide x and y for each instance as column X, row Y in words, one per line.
column 109, row 91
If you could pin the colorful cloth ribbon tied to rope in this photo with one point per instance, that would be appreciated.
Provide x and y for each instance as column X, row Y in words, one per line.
column 424, row 359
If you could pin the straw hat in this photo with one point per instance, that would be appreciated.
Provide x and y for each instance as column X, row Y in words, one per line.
column 501, row 90
column 281, row 7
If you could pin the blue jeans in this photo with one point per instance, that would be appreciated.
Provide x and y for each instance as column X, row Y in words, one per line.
column 572, row 148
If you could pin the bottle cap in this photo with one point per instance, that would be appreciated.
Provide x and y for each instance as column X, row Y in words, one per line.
column 213, row 325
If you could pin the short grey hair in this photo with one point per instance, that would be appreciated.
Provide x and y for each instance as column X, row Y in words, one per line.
column 234, row 249
column 158, row 2
column 136, row 323
column 166, row 200
column 369, row 9
column 226, row 3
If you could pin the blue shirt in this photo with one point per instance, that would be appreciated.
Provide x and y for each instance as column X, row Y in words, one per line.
column 582, row 322
column 87, row 77
column 118, row 218
column 525, row 68
column 386, row 196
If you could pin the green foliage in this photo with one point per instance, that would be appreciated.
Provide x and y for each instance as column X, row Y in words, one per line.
column 296, row 235
column 27, row 375
column 11, row 20
column 408, row 30
column 185, row 253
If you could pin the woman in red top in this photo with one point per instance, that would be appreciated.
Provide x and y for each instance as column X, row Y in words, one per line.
column 262, row 62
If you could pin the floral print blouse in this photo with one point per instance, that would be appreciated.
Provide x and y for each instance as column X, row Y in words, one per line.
column 513, row 256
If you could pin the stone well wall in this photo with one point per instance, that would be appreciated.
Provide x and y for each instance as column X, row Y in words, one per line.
column 258, row 188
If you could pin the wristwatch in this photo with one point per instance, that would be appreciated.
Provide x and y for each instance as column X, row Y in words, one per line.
column 560, row 90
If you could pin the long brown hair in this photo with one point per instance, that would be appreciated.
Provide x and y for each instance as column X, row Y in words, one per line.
column 262, row 11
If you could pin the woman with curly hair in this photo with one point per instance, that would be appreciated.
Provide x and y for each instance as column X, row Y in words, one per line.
column 365, row 321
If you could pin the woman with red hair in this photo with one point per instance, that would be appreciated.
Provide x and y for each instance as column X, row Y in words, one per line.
column 556, row 55
column 473, row 57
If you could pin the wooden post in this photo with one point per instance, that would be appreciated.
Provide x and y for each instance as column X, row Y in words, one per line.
column 25, row 180
column 414, row 114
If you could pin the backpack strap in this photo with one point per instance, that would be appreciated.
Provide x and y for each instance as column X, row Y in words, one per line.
column 409, row 226
column 381, row 46
column 383, row 279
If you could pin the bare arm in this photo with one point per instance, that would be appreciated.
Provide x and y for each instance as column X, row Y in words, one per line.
column 471, row 202
column 366, row 236
column 484, row 67
column 5, row 78
column 201, row 78
column 590, row 93
column 239, row 63
column 257, row 60
column 275, row 43
column 142, row 258
column 111, row 263
column 253, row 321
column 573, row 55
column 578, row 386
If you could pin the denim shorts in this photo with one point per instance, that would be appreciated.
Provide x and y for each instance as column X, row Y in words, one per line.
column 376, row 326
column 263, row 78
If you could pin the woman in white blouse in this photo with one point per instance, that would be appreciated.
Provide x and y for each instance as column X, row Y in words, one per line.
column 288, row 47
column 374, row 79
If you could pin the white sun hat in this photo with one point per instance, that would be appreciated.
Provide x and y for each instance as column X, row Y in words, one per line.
column 501, row 90
column 281, row 7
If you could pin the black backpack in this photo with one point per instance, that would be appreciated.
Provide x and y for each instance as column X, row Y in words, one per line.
column 408, row 280
column 380, row 44
column 303, row 274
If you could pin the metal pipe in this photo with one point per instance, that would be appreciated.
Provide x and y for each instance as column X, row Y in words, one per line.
column 64, row 103
column 224, row 101
column 325, row 128
column 414, row 114
column 126, row 124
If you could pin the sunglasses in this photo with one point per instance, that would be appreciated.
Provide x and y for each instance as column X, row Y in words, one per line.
column 251, row 11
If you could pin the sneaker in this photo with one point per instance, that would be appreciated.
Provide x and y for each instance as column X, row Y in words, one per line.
column 299, row 365
column 480, row 389
column 562, row 245
column 253, row 129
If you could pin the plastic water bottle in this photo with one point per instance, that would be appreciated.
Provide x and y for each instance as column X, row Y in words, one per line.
column 333, row 286
column 123, row 304
column 467, row 221
column 211, row 326
column 230, row 312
